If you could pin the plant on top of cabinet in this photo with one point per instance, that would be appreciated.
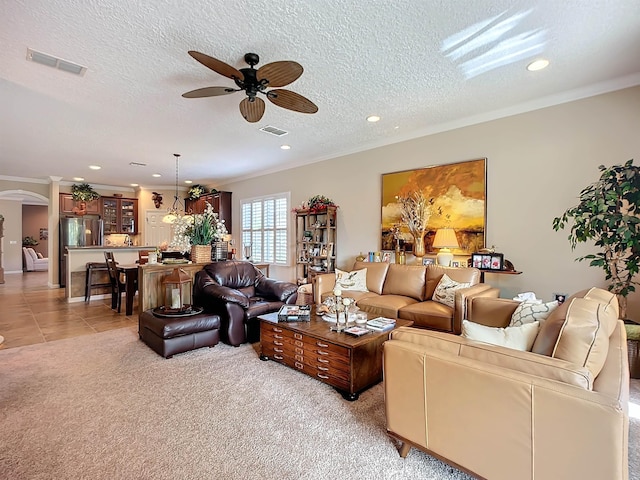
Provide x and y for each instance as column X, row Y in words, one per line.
column 196, row 191
column 83, row 192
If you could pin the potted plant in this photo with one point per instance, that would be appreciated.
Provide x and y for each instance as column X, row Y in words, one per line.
column 607, row 214
column 29, row 242
column 83, row 192
column 197, row 232
column 196, row 191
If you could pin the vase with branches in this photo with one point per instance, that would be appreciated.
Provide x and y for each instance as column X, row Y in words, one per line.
column 607, row 214
column 415, row 209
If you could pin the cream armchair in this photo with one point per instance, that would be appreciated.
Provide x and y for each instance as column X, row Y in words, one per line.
column 504, row 414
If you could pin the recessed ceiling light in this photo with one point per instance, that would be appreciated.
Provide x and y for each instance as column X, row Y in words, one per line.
column 285, row 147
column 188, row 182
column 538, row 65
column 78, row 179
column 95, row 167
column 156, row 175
column 373, row 118
column 134, row 185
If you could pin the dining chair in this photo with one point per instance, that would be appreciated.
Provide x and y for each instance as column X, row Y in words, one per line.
column 117, row 285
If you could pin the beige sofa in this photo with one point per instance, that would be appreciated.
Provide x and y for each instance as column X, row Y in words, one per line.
column 406, row 291
column 504, row 414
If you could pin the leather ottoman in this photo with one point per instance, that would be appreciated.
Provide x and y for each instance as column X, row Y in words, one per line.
column 168, row 336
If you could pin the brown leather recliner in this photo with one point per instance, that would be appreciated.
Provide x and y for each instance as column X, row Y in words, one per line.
column 239, row 292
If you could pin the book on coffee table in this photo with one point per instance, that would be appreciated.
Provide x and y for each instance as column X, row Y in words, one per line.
column 294, row 313
column 381, row 324
column 356, row 331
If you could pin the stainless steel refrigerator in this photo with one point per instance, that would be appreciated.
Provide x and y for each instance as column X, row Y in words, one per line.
column 78, row 232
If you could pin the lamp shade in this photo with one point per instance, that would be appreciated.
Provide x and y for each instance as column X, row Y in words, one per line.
column 445, row 239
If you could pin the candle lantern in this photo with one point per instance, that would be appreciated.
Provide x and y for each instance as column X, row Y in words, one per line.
column 177, row 292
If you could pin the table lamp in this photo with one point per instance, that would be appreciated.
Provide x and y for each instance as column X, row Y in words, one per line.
column 445, row 240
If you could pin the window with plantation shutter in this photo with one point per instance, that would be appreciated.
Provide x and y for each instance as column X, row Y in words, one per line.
column 265, row 223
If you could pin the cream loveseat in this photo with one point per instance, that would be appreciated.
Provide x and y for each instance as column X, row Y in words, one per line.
column 32, row 262
column 504, row 414
column 407, row 292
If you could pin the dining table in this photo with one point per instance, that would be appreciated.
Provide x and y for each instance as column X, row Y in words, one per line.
column 130, row 272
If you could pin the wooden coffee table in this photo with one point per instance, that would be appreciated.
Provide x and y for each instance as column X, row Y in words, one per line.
column 350, row 364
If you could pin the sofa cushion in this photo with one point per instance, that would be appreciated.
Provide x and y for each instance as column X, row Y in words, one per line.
column 548, row 334
column 518, row 338
column 610, row 300
column 584, row 336
column 445, row 292
column 405, row 280
column 428, row 314
column 532, row 312
column 376, row 273
column 384, row 305
column 355, row 280
column 435, row 272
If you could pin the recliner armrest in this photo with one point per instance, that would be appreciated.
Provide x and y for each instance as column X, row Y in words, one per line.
column 224, row 294
column 272, row 288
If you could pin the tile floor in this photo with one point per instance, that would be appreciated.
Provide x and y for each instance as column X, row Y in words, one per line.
column 31, row 312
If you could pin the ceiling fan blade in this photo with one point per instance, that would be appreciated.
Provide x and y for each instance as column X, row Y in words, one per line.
column 280, row 74
column 291, row 101
column 216, row 65
column 252, row 111
column 209, row 92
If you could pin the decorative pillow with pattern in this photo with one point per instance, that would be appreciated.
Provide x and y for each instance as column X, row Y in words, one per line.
column 445, row 292
column 531, row 312
column 355, row 281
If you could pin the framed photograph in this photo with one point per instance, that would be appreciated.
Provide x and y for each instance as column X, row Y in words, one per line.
column 560, row 297
column 428, row 261
column 386, row 256
column 323, row 252
column 455, row 264
column 44, row 234
column 457, row 196
column 497, row 261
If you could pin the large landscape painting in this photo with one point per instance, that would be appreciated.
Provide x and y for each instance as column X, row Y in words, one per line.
column 458, row 191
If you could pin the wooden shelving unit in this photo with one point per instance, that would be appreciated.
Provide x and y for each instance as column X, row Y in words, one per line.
column 316, row 239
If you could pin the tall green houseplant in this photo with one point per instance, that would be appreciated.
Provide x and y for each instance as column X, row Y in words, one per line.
column 608, row 215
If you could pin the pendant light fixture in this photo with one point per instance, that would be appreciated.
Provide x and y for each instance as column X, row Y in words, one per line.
column 175, row 210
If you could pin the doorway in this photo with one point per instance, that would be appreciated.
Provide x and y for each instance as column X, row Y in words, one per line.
column 156, row 232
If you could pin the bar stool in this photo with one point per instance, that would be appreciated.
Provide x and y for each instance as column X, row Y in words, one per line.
column 89, row 285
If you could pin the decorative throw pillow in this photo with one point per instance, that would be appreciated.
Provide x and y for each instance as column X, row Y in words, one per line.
column 532, row 312
column 39, row 255
column 518, row 338
column 356, row 280
column 445, row 292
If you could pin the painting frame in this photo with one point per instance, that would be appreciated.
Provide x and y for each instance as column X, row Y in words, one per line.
column 458, row 194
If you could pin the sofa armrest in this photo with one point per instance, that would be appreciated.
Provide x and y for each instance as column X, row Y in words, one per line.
column 324, row 283
column 463, row 296
column 492, row 312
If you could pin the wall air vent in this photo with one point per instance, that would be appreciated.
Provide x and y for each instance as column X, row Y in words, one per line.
column 55, row 62
column 137, row 164
column 274, row 131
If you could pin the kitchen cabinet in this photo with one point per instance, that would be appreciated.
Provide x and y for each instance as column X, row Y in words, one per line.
column 220, row 201
column 120, row 215
column 67, row 204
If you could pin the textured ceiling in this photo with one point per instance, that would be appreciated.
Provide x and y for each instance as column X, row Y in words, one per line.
column 406, row 61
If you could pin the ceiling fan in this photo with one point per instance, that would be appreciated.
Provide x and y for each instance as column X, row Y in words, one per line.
column 256, row 81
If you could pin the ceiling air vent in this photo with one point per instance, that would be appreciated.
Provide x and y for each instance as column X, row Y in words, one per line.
column 137, row 164
column 274, row 131
column 55, row 62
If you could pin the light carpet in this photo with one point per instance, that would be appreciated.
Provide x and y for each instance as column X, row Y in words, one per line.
column 106, row 406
